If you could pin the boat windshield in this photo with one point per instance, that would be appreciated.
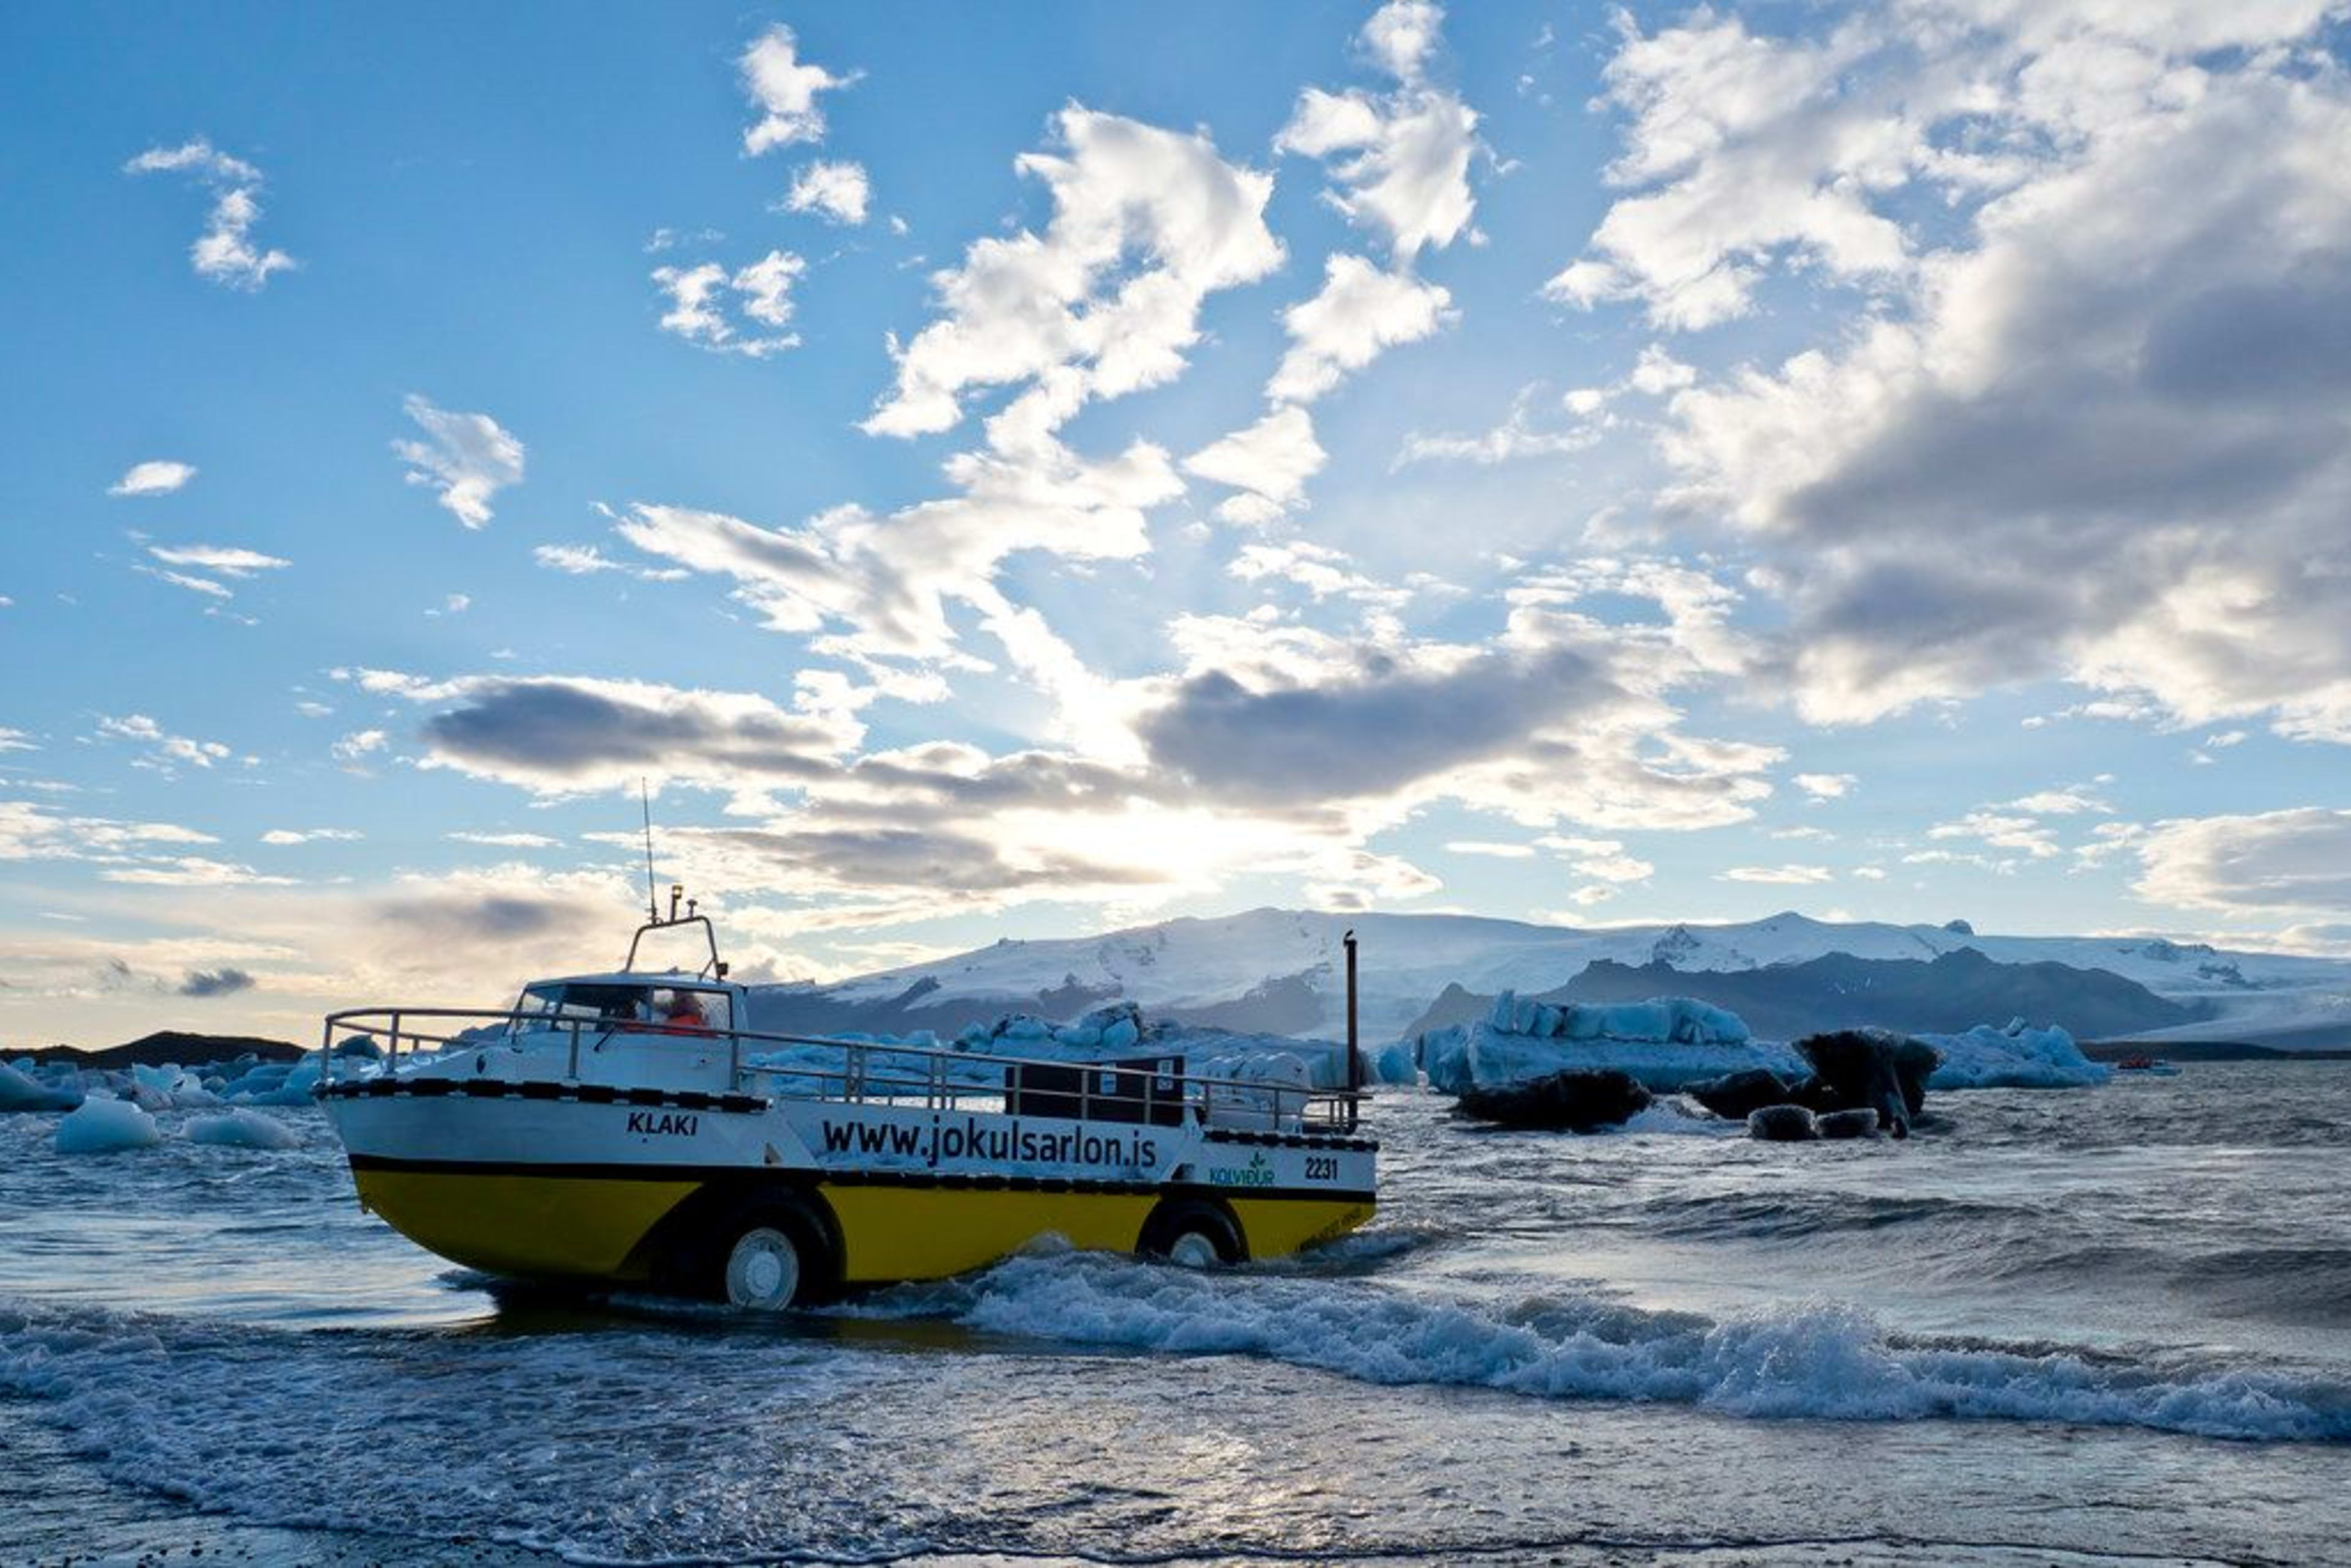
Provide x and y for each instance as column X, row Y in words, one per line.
column 621, row 1005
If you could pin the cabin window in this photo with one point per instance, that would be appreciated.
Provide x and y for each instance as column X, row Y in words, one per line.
column 567, row 1002
column 611, row 1006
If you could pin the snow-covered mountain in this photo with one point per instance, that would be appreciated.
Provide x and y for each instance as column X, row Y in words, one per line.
column 1282, row 971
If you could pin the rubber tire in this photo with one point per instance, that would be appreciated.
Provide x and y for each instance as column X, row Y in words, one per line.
column 762, row 1270
column 815, row 1261
column 1192, row 1233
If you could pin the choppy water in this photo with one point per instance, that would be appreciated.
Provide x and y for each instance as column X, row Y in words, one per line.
column 2080, row 1325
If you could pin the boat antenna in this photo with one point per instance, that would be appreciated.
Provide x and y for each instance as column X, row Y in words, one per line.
column 652, row 904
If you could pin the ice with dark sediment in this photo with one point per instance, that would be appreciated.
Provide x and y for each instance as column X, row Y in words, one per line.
column 1663, row 1043
column 1671, row 1042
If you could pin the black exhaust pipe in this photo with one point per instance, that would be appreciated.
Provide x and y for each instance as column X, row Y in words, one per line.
column 1354, row 1057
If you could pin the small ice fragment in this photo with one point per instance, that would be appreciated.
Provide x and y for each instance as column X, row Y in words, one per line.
column 241, row 1129
column 102, row 1126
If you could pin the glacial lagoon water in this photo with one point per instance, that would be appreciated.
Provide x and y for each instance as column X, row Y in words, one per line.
column 2107, row 1324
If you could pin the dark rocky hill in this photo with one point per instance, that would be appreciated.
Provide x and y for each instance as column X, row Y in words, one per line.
column 173, row 1046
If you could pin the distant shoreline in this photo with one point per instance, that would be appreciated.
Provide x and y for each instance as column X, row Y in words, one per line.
column 2202, row 1050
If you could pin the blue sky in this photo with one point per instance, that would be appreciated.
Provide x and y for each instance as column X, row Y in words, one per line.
column 1030, row 471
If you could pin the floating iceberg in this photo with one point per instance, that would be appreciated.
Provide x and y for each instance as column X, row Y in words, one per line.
column 20, row 1091
column 293, row 1089
column 103, row 1124
column 2017, row 1056
column 1663, row 1043
column 169, row 1087
column 241, row 1129
column 1392, row 1063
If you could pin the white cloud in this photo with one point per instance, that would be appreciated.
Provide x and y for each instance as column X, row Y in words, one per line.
column 158, row 477
column 228, row 560
column 2090, row 433
column 1272, row 459
column 1658, row 372
column 1736, row 127
column 30, row 832
column 1524, row 433
column 1825, row 786
column 1360, row 312
column 1490, row 851
column 224, row 252
column 192, row 871
column 836, row 192
column 359, row 744
column 1603, row 858
column 762, row 291
column 505, row 840
column 469, row 459
column 1402, row 160
column 2001, row 830
column 282, row 837
column 1402, row 35
column 582, row 561
column 165, row 748
column 2291, row 861
column 204, row 585
column 2070, row 801
column 1147, row 223
column 881, row 586
column 1317, row 569
column 784, row 88
column 1781, row 876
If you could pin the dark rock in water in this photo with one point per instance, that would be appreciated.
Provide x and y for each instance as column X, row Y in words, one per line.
column 1735, row 1095
column 1575, row 1100
column 1862, row 1124
column 1870, row 1069
column 1781, row 1124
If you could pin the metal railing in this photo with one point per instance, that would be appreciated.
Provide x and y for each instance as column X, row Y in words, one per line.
column 1126, row 1089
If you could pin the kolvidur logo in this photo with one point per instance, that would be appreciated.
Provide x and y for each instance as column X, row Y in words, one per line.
column 1257, row 1173
column 971, row 1140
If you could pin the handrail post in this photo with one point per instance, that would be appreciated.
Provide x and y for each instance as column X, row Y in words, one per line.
column 574, row 1069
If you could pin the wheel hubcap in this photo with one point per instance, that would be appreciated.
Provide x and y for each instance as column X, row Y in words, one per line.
column 1192, row 1250
column 763, row 1270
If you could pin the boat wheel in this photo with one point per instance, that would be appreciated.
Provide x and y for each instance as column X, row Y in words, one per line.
column 762, row 1270
column 1193, row 1234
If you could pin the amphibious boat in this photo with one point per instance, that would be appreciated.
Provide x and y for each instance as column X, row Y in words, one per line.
column 629, row 1129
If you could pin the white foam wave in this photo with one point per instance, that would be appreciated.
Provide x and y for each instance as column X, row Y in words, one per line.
column 1819, row 1360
